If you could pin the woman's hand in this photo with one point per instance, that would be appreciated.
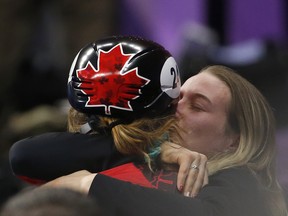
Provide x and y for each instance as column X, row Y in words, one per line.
column 80, row 181
column 192, row 174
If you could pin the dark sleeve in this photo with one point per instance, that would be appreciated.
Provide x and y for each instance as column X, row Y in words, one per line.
column 51, row 155
column 227, row 194
column 123, row 198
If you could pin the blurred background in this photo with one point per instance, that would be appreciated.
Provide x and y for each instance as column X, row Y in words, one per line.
column 39, row 39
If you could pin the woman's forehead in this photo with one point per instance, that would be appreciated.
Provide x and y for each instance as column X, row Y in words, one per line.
column 208, row 85
column 204, row 81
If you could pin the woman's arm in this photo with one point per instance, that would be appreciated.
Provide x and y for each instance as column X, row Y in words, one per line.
column 136, row 200
column 45, row 157
column 112, row 195
column 231, row 192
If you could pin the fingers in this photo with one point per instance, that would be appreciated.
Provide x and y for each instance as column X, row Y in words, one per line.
column 191, row 179
column 184, row 168
column 201, row 178
column 197, row 176
column 192, row 173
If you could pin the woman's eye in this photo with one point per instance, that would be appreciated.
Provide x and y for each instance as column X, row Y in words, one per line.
column 197, row 108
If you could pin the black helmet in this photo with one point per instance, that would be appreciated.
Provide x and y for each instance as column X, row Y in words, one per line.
column 123, row 77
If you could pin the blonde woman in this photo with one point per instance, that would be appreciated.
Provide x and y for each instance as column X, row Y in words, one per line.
column 225, row 118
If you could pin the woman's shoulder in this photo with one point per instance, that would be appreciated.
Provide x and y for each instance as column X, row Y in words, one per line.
column 233, row 171
column 236, row 176
column 236, row 185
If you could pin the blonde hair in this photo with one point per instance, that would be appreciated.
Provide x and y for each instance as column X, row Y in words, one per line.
column 252, row 118
column 135, row 138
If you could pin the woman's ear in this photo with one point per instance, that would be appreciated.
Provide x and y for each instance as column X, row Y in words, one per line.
column 235, row 139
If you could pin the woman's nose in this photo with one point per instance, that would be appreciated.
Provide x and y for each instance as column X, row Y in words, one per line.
column 179, row 104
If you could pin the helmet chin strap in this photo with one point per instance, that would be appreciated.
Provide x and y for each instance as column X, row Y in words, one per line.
column 149, row 105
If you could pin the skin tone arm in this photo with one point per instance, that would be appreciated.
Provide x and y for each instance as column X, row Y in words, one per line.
column 80, row 181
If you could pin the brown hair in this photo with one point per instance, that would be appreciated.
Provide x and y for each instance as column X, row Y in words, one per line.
column 135, row 138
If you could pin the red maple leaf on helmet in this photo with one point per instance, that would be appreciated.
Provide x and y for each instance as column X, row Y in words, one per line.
column 109, row 86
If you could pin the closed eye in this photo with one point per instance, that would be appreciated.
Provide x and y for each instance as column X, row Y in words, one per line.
column 197, row 107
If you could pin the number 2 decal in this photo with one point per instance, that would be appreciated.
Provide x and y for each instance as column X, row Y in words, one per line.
column 170, row 78
column 176, row 76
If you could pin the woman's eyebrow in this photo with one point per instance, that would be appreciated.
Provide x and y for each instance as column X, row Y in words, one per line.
column 199, row 95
